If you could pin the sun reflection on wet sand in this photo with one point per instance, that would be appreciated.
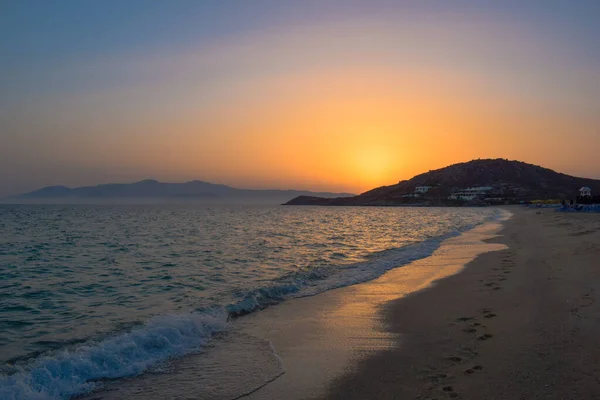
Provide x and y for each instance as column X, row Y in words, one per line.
column 318, row 337
column 294, row 349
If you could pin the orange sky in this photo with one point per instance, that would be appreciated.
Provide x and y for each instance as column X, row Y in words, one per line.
column 342, row 104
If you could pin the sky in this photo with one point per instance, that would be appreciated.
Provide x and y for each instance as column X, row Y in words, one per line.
column 314, row 94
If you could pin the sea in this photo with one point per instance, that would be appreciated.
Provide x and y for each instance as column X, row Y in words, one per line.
column 96, row 293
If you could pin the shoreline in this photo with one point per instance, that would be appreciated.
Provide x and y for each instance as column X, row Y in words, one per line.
column 296, row 348
column 320, row 337
column 520, row 323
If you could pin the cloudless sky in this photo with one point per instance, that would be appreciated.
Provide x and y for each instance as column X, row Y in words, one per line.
column 323, row 95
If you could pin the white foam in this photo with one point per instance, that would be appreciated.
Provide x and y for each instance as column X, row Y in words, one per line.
column 69, row 372
column 315, row 280
column 79, row 370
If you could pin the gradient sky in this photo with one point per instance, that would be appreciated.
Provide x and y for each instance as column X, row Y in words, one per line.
column 313, row 94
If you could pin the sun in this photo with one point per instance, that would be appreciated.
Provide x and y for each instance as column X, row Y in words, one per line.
column 374, row 165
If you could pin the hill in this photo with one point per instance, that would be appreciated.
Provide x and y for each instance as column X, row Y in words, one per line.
column 152, row 189
column 509, row 181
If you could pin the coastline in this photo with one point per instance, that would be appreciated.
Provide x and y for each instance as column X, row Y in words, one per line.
column 296, row 348
column 322, row 337
column 520, row 323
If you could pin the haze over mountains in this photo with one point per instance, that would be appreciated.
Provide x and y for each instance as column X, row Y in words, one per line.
column 512, row 180
column 151, row 189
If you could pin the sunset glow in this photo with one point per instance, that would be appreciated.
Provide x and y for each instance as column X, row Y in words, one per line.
column 346, row 101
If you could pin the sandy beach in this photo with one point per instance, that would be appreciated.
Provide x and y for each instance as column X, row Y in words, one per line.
column 296, row 349
column 504, row 311
column 521, row 323
column 322, row 337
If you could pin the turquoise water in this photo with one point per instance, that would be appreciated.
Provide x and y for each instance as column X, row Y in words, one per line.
column 95, row 292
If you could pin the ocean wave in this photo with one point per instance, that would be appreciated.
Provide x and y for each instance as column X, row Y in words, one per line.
column 82, row 368
column 70, row 372
column 318, row 279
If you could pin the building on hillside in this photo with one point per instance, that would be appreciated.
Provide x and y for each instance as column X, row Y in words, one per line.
column 422, row 189
column 471, row 193
column 585, row 192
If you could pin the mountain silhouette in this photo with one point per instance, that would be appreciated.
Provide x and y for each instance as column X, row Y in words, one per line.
column 153, row 189
column 512, row 180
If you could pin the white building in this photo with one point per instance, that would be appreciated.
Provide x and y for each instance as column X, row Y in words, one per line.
column 585, row 192
column 422, row 189
column 471, row 193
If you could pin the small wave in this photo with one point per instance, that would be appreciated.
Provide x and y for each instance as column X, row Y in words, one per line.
column 260, row 298
column 71, row 372
column 318, row 279
column 82, row 368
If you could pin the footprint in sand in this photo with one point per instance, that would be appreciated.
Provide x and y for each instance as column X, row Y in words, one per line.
column 464, row 319
column 485, row 336
column 492, row 285
column 587, row 299
column 471, row 327
column 487, row 313
column 437, row 377
column 471, row 371
column 450, row 391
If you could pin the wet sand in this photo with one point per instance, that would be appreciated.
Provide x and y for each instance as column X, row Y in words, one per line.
column 485, row 317
column 522, row 323
column 294, row 350
column 322, row 337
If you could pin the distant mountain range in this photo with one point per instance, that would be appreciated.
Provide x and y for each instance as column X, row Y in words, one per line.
column 152, row 189
column 511, row 181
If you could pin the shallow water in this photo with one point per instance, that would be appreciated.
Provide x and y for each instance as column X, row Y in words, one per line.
column 95, row 292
